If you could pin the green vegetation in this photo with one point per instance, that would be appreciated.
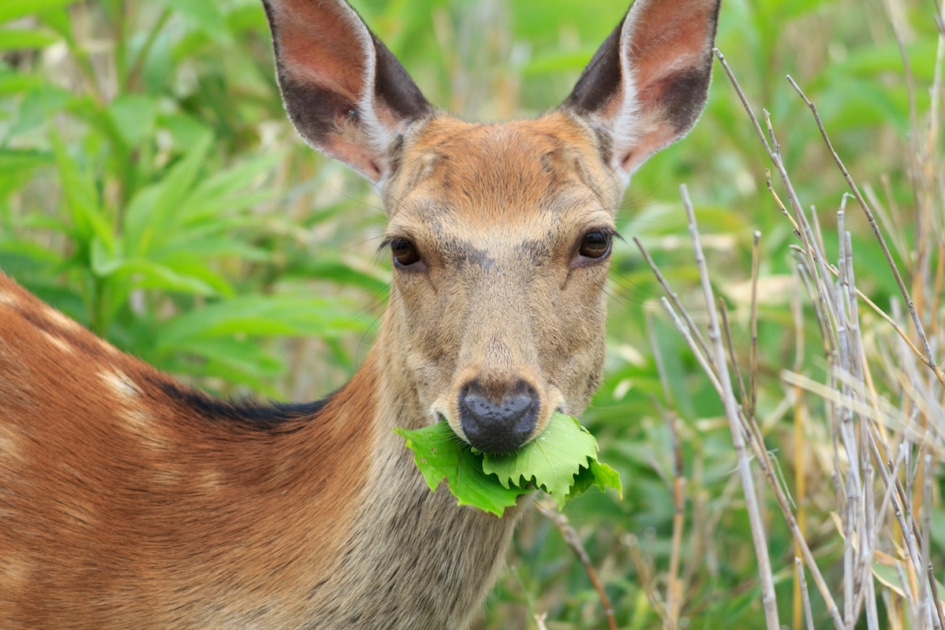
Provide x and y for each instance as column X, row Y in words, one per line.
column 562, row 462
column 151, row 188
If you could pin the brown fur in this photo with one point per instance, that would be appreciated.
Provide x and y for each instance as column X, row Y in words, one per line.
column 110, row 487
column 128, row 500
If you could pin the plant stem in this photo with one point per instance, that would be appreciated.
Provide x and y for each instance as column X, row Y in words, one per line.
column 759, row 537
column 574, row 542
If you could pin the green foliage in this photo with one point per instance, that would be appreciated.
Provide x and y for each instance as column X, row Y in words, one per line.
column 440, row 455
column 151, row 188
column 561, row 461
column 132, row 203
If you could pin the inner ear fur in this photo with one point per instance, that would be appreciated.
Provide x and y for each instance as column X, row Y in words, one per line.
column 345, row 92
column 648, row 82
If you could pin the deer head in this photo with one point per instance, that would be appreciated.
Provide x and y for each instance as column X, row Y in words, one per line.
column 500, row 233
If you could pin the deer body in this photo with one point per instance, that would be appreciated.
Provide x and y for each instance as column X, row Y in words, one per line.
column 129, row 500
column 246, row 520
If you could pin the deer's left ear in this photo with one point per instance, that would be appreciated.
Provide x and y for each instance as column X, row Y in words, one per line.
column 347, row 95
column 647, row 84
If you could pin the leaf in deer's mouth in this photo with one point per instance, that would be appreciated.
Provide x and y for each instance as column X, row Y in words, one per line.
column 562, row 461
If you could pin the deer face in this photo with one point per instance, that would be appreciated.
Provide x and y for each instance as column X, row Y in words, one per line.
column 501, row 237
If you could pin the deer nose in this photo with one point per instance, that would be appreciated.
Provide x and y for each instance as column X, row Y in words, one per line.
column 498, row 419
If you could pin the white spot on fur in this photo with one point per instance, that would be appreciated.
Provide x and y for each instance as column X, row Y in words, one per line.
column 138, row 418
column 146, row 429
column 8, row 299
column 59, row 342
column 210, row 481
column 122, row 386
column 14, row 575
column 60, row 320
column 9, row 443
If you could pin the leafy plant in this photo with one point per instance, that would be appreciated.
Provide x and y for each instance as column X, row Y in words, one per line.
column 562, row 461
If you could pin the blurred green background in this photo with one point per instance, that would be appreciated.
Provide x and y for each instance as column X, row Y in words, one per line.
column 152, row 188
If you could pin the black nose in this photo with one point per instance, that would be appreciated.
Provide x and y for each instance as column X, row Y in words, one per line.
column 499, row 418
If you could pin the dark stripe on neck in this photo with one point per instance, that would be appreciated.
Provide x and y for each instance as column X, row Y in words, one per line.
column 263, row 416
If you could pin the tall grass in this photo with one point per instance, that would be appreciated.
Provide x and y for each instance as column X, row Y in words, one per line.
column 868, row 418
column 880, row 400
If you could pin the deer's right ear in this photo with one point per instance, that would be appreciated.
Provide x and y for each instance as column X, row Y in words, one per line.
column 344, row 91
column 647, row 84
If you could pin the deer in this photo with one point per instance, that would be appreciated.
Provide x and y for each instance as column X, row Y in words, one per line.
column 128, row 499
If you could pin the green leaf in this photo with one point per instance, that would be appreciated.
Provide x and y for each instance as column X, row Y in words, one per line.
column 226, row 191
column 206, row 15
column 150, row 275
column 339, row 272
column 152, row 210
column 562, row 461
column 133, row 116
column 14, row 9
column 242, row 361
column 22, row 162
column 555, row 62
column 22, row 39
column 596, row 475
column 38, row 107
column 185, row 130
column 82, row 199
column 19, row 258
column 195, row 247
column 16, row 83
column 264, row 315
column 550, row 461
column 440, row 455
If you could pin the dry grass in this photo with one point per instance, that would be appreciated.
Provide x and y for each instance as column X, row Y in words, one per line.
column 873, row 423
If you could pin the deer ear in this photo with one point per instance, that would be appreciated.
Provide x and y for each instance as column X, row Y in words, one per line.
column 344, row 91
column 647, row 84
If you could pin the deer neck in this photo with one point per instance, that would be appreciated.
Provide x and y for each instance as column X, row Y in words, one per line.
column 433, row 560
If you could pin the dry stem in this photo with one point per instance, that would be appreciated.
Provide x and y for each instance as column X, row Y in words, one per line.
column 759, row 537
column 574, row 542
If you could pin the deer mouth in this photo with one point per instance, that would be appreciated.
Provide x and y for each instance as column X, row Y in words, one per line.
column 495, row 419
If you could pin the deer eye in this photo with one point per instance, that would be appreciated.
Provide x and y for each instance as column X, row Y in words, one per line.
column 594, row 246
column 405, row 253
